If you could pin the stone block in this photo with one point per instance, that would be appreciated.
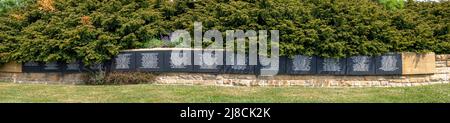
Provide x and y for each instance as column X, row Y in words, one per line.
column 441, row 64
column 331, row 66
column 442, row 57
column 388, row 64
column 125, row 61
column 361, row 65
column 414, row 63
column 12, row 67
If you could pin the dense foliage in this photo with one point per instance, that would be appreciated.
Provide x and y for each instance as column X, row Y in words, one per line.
column 393, row 4
column 96, row 30
column 119, row 78
column 6, row 5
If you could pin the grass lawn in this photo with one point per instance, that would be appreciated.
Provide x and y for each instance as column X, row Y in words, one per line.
column 10, row 92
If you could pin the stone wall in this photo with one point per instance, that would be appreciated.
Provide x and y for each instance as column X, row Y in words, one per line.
column 441, row 75
column 298, row 80
column 11, row 67
column 442, row 72
column 44, row 78
column 416, row 73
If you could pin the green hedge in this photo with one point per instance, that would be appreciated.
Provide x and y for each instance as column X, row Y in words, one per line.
column 95, row 30
column 6, row 5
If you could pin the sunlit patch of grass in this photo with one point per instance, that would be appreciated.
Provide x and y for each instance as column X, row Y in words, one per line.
column 10, row 92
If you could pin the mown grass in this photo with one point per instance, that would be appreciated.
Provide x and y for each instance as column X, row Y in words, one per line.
column 10, row 92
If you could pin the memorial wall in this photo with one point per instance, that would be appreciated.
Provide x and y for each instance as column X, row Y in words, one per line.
column 166, row 61
column 177, row 66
